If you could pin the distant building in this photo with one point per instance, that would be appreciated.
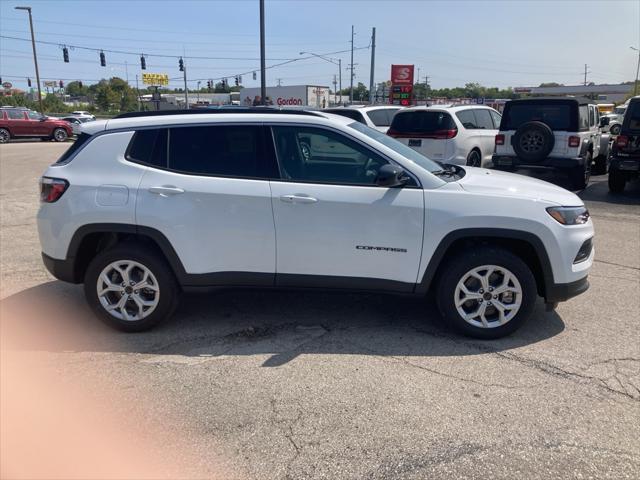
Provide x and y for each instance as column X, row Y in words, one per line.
column 615, row 93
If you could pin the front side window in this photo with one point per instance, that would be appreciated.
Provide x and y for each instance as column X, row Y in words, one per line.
column 34, row 115
column 468, row 119
column 220, row 150
column 15, row 114
column 317, row 155
column 496, row 119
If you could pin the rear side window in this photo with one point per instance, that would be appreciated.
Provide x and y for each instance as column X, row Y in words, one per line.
column 68, row 155
column 632, row 117
column 149, row 147
column 230, row 151
column 421, row 121
column 584, row 117
column 483, row 119
column 382, row 117
column 468, row 119
column 352, row 114
column 556, row 115
column 15, row 114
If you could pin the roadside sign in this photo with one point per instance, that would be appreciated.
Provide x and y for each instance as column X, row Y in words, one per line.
column 402, row 85
column 50, row 83
column 7, row 85
column 155, row 79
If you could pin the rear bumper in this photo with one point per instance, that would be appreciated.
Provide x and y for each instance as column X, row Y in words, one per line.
column 559, row 292
column 61, row 269
column 630, row 164
column 549, row 162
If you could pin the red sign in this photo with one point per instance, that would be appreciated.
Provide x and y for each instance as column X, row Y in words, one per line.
column 402, row 74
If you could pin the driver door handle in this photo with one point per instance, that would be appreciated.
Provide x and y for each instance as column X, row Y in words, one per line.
column 298, row 199
column 166, row 190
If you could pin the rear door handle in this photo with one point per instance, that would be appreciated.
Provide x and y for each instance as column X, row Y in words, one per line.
column 166, row 190
column 298, row 199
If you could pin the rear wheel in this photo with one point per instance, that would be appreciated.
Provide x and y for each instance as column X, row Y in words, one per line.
column 579, row 176
column 474, row 159
column 5, row 136
column 617, row 180
column 486, row 292
column 600, row 165
column 130, row 288
column 60, row 135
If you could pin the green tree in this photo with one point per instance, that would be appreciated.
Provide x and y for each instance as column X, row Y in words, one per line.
column 75, row 90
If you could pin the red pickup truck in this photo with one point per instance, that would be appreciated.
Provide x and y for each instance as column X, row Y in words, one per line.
column 24, row 123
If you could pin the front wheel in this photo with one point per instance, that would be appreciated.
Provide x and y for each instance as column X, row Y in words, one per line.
column 60, row 135
column 130, row 288
column 617, row 180
column 486, row 292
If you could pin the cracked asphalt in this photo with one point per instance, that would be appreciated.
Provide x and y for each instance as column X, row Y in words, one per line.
column 292, row 385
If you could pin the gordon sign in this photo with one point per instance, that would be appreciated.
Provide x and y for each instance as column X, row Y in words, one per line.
column 155, row 79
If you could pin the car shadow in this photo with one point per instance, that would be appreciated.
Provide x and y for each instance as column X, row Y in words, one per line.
column 280, row 324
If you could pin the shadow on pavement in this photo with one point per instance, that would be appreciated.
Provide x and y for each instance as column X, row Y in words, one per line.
column 54, row 317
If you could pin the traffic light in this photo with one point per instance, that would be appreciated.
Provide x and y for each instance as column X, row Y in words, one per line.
column 103, row 60
column 28, row 82
column 65, row 54
column 61, row 84
column 143, row 62
column 254, row 75
column 181, row 65
column 237, row 81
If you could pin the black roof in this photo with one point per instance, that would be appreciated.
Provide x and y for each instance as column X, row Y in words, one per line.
column 579, row 100
column 215, row 110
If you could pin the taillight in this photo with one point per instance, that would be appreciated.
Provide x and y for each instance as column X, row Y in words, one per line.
column 574, row 141
column 392, row 133
column 51, row 189
column 500, row 139
column 622, row 141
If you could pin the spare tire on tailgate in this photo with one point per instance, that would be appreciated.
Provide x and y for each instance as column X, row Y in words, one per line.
column 533, row 141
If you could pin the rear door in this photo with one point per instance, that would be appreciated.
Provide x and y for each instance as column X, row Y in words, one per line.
column 18, row 122
column 426, row 131
column 335, row 227
column 209, row 194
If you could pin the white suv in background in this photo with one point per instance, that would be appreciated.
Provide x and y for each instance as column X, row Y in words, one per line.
column 376, row 116
column 462, row 135
column 143, row 206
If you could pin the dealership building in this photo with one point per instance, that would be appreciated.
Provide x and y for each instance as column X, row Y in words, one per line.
column 615, row 93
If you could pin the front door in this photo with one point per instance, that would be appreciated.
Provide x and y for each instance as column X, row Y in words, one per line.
column 334, row 226
column 211, row 199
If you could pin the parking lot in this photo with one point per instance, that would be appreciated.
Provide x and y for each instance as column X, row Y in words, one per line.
column 271, row 384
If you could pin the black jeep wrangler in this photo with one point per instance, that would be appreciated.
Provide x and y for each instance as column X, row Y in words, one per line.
column 624, row 162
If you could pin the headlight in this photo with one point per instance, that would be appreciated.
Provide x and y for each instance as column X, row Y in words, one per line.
column 569, row 215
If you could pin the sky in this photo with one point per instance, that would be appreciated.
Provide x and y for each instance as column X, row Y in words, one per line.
column 495, row 43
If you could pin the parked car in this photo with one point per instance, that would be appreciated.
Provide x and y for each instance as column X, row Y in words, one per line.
column 613, row 121
column 25, row 123
column 462, row 135
column 558, row 133
column 76, row 122
column 624, row 162
column 136, row 217
column 378, row 116
column 83, row 114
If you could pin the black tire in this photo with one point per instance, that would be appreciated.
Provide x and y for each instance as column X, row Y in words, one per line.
column 600, row 165
column 60, row 135
column 456, row 269
column 579, row 176
column 533, row 141
column 474, row 159
column 617, row 180
column 5, row 136
column 168, row 289
column 615, row 129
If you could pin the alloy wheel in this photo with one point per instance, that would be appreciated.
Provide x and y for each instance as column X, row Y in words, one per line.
column 488, row 296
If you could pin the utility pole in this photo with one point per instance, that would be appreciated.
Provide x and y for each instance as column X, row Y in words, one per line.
column 351, row 67
column 279, row 80
column 373, row 63
column 35, row 57
column 263, row 68
column 198, row 92
column 186, row 90
column 126, row 71
column 138, row 92
column 585, row 74
column 635, row 85
column 340, row 77
column 335, row 87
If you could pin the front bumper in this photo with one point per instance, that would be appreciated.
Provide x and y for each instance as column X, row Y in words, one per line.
column 549, row 162
column 559, row 292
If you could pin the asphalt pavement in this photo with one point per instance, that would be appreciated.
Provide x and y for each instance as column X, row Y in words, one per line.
column 277, row 385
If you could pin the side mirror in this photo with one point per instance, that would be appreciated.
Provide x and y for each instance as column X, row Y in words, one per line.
column 604, row 121
column 391, row 176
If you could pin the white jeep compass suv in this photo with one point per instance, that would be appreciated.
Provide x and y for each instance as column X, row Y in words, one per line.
column 145, row 205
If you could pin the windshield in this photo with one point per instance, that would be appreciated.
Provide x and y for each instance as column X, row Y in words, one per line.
column 396, row 146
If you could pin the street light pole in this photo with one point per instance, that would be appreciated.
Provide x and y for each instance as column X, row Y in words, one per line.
column 263, row 68
column 635, row 85
column 35, row 57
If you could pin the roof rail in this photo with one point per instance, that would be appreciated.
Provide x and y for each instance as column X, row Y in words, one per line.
column 200, row 111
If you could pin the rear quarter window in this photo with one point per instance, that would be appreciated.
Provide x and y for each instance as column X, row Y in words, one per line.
column 421, row 121
column 149, row 147
column 70, row 152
